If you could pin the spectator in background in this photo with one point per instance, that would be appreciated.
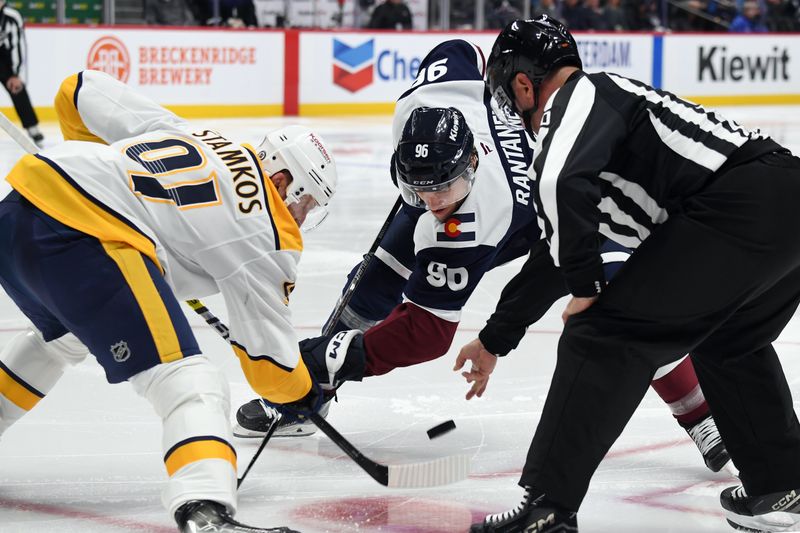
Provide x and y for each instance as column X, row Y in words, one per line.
column 782, row 15
column 391, row 15
column 168, row 13
column 238, row 13
column 12, row 60
column 749, row 20
column 232, row 13
column 575, row 15
column 502, row 14
column 643, row 15
column 549, row 8
column 595, row 15
column 614, row 15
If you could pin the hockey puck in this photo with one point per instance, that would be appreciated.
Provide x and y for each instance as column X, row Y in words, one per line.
column 441, row 429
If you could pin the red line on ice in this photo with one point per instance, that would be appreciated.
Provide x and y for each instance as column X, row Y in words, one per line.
column 66, row 512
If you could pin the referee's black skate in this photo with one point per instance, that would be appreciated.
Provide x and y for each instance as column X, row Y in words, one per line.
column 706, row 436
column 197, row 516
column 770, row 513
column 532, row 515
column 254, row 418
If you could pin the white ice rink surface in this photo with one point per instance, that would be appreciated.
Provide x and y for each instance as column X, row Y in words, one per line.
column 88, row 457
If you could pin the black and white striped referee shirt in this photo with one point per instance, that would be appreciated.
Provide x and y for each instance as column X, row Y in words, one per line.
column 12, row 39
column 616, row 156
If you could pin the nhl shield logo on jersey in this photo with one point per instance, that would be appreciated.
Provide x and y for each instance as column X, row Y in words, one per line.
column 456, row 228
column 120, row 351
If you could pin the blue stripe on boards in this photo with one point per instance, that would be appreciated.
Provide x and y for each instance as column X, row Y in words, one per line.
column 658, row 60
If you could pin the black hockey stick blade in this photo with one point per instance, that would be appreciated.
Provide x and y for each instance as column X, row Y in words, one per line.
column 441, row 471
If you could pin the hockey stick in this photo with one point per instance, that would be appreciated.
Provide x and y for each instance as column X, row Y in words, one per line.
column 272, row 427
column 347, row 295
column 441, row 471
column 17, row 135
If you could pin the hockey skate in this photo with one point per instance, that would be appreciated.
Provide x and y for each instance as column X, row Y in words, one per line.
column 36, row 136
column 706, row 436
column 532, row 515
column 204, row 515
column 254, row 418
column 778, row 511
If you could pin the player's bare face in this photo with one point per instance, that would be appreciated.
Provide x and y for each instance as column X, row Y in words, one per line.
column 439, row 204
column 300, row 209
column 443, row 202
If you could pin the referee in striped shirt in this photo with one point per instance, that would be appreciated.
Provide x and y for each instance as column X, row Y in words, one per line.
column 711, row 211
column 12, row 59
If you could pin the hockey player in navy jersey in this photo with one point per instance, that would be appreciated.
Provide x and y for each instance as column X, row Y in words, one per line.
column 467, row 208
column 710, row 210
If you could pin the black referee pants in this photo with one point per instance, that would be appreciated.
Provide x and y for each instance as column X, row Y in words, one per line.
column 719, row 280
column 21, row 100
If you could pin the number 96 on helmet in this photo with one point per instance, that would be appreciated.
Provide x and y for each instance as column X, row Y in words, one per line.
column 435, row 160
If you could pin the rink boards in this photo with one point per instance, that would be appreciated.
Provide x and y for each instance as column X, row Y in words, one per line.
column 227, row 73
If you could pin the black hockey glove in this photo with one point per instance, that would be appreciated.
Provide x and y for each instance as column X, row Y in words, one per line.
column 333, row 359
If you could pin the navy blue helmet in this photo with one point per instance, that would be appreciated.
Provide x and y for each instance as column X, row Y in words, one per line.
column 436, row 148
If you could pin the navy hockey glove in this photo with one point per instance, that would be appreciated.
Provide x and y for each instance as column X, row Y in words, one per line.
column 333, row 359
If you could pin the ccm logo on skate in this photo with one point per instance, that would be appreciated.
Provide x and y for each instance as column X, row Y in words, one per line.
column 541, row 524
column 785, row 501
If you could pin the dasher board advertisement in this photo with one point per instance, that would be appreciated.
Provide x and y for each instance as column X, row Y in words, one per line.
column 200, row 72
column 759, row 69
column 367, row 71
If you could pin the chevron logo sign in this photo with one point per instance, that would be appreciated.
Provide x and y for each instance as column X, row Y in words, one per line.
column 353, row 65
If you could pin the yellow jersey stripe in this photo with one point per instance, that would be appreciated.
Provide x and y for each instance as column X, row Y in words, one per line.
column 198, row 449
column 17, row 391
column 271, row 381
column 49, row 188
column 287, row 232
column 66, row 103
column 131, row 264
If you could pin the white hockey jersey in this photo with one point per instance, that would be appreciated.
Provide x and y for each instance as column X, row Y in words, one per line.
column 497, row 221
column 194, row 202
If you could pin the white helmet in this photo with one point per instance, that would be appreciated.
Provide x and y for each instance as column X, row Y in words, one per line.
column 303, row 153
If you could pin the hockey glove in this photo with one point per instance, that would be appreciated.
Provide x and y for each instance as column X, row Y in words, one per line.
column 333, row 359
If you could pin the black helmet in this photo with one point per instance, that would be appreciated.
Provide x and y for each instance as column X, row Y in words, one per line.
column 435, row 149
column 534, row 47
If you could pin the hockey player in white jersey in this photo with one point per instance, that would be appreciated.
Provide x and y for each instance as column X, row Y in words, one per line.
column 107, row 232
column 468, row 208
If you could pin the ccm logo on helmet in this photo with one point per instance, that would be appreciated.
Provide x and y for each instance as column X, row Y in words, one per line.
column 321, row 148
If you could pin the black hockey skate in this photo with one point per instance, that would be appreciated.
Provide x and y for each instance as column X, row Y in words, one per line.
column 254, row 418
column 197, row 516
column 36, row 136
column 532, row 515
column 778, row 511
column 706, row 436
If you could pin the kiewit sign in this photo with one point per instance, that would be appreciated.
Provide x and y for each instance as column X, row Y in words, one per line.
column 756, row 65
